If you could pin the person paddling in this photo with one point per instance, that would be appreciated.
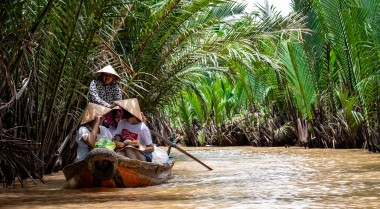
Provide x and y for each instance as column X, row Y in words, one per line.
column 104, row 89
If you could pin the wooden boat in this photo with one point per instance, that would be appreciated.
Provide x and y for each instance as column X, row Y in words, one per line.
column 104, row 168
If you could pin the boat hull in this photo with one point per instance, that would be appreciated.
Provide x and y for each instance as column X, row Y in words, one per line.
column 103, row 168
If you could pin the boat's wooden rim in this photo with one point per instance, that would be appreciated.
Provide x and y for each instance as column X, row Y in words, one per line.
column 72, row 169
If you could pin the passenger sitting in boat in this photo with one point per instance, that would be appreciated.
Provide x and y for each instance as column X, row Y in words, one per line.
column 112, row 119
column 133, row 136
column 90, row 130
column 104, row 89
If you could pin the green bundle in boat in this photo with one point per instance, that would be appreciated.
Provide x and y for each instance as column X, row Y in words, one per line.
column 105, row 143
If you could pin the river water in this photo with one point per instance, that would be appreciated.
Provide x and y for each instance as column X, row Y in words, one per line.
column 242, row 177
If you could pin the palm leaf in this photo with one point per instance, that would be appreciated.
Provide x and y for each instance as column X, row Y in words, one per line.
column 298, row 74
column 17, row 160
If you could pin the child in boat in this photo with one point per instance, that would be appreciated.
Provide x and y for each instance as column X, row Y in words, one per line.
column 90, row 130
column 104, row 89
column 112, row 119
column 132, row 131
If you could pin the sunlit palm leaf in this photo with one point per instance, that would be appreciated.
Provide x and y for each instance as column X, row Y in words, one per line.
column 299, row 76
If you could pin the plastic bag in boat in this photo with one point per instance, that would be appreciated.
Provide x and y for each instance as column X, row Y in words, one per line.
column 105, row 143
column 159, row 155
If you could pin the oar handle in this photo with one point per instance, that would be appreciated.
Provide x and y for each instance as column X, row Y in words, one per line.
column 179, row 148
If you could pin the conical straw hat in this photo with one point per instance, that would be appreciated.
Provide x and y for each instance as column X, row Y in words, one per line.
column 132, row 106
column 107, row 69
column 92, row 110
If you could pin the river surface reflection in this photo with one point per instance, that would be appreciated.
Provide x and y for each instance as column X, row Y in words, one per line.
column 243, row 177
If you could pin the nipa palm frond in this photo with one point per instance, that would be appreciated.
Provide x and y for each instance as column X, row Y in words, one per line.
column 283, row 132
column 298, row 76
column 17, row 160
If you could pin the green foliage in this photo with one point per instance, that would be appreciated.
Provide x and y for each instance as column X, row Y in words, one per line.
column 184, row 112
column 352, row 119
column 45, row 52
column 344, row 51
column 203, row 61
column 297, row 76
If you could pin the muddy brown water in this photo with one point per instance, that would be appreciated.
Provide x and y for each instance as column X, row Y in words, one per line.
column 243, row 177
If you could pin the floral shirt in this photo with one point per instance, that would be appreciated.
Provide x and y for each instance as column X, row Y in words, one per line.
column 102, row 94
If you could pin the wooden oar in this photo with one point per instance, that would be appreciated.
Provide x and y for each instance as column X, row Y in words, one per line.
column 179, row 148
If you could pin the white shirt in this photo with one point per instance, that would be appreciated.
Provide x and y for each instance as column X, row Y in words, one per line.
column 112, row 130
column 83, row 148
column 134, row 132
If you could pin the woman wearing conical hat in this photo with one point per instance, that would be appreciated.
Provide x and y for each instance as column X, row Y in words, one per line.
column 90, row 130
column 131, row 131
column 104, row 89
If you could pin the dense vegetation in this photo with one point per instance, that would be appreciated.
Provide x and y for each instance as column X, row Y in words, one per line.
column 319, row 89
column 202, row 69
